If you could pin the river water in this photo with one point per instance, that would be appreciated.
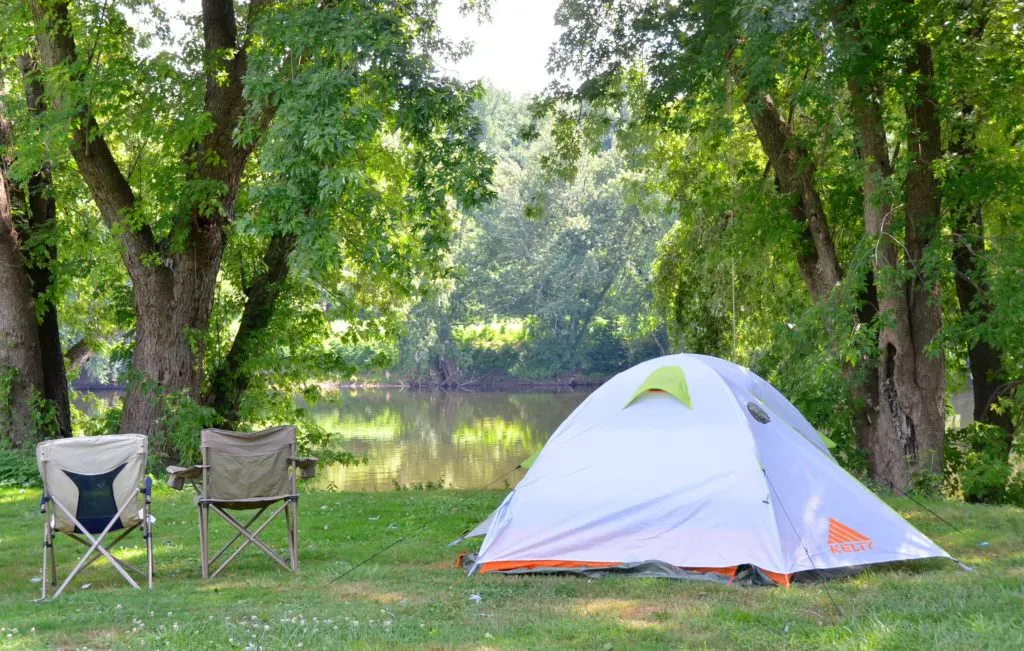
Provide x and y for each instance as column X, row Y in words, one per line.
column 458, row 439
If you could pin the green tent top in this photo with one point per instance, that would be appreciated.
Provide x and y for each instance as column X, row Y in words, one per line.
column 529, row 462
column 668, row 379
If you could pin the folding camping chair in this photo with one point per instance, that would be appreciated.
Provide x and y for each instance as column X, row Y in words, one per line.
column 246, row 471
column 93, row 486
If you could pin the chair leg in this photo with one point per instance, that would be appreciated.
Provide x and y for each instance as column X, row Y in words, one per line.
column 250, row 537
column 204, row 534
column 215, row 557
column 96, row 545
column 292, row 518
column 53, row 560
column 46, row 556
column 147, row 531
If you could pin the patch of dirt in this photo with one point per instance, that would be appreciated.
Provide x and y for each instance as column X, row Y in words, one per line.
column 352, row 591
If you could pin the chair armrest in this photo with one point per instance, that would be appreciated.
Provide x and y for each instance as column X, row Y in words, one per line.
column 306, row 466
column 177, row 475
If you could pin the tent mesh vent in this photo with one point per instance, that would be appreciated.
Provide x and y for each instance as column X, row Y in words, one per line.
column 759, row 414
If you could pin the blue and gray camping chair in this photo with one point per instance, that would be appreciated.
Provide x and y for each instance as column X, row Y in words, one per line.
column 94, row 486
column 246, row 471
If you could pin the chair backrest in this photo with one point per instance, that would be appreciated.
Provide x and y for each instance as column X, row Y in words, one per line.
column 93, row 477
column 248, row 466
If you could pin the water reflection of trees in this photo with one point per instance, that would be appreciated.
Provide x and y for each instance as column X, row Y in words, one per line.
column 414, row 437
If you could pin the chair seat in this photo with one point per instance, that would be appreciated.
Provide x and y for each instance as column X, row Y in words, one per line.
column 98, row 524
column 245, row 505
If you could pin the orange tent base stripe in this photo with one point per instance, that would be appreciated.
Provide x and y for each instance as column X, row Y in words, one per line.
column 781, row 579
column 501, row 566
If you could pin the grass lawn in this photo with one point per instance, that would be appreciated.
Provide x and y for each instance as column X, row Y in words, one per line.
column 412, row 596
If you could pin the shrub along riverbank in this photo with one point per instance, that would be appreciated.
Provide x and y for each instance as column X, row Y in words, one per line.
column 410, row 595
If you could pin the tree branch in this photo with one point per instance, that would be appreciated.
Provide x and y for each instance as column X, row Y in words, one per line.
column 794, row 173
column 217, row 157
column 231, row 378
column 80, row 353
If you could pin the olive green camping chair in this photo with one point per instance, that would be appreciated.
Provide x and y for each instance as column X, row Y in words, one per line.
column 94, row 486
column 246, row 471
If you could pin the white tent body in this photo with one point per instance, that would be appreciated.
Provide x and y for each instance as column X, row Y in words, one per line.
column 708, row 488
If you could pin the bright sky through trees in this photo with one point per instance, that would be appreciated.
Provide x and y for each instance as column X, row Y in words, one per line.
column 510, row 51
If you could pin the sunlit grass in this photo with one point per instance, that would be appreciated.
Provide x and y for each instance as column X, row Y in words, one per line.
column 411, row 596
column 14, row 496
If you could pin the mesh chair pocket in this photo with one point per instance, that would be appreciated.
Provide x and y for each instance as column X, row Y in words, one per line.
column 96, row 503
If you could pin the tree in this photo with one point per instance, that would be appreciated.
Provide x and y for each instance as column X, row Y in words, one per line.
column 32, row 363
column 566, row 255
column 21, row 373
column 909, row 415
column 979, row 169
column 786, row 66
column 173, row 276
column 177, row 149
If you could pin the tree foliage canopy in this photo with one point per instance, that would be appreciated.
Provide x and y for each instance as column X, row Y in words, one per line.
column 868, row 150
column 278, row 179
column 271, row 194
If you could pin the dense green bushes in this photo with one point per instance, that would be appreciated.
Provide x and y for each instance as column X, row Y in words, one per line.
column 18, row 469
column 489, row 348
column 527, row 350
column 981, row 466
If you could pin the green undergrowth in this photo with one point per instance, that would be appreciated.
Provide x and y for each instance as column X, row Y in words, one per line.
column 410, row 594
column 17, row 469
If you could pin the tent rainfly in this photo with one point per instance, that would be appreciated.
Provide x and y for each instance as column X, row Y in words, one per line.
column 690, row 466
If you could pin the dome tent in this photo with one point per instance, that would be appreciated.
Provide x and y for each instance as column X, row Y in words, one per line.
column 691, row 466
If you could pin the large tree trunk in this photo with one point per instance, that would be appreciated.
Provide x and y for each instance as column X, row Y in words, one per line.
column 908, row 426
column 42, row 218
column 172, row 312
column 21, row 375
column 922, row 194
column 885, row 445
column 152, row 283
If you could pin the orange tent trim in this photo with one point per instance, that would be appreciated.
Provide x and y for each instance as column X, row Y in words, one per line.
column 730, row 572
column 780, row 579
column 502, row 566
